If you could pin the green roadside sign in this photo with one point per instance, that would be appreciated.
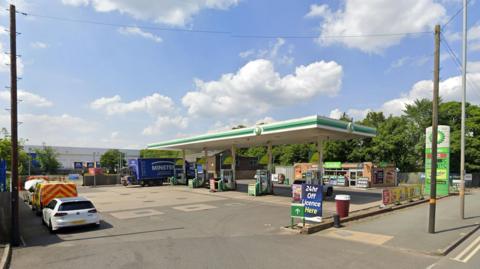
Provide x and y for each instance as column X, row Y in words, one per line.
column 332, row 165
column 443, row 160
column 297, row 211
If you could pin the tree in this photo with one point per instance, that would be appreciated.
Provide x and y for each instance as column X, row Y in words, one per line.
column 157, row 153
column 111, row 160
column 47, row 157
column 6, row 154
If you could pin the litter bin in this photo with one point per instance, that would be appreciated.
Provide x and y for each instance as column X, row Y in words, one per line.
column 342, row 203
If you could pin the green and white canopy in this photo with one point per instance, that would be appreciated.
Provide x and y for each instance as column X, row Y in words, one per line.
column 296, row 131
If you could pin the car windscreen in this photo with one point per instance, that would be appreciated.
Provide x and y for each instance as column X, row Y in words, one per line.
column 69, row 206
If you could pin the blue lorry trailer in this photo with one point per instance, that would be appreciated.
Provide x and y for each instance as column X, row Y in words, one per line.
column 154, row 171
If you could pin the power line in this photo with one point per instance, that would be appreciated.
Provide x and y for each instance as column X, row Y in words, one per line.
column 332, row 36
column 123, row 25
column 454, row 15
column 471, row 83
column 285, row 36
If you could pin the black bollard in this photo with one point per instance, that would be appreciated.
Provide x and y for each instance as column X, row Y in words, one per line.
column 336, row 221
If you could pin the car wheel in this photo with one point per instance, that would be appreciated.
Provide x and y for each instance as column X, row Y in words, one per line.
column 49, row 226
column 142, row 183
column 43, row 222
column 125, row 183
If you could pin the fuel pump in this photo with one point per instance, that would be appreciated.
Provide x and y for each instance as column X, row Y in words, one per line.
column 263, row 185
column 200, row 178
column 313, row 176
column 227, row 182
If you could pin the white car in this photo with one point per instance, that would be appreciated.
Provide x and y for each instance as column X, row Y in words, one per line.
column 68, row 212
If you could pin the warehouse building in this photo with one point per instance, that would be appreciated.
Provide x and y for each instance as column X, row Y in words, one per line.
column 71, row 156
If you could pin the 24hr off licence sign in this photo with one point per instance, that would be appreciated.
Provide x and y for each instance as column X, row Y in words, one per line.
column 443, row 160
column 312, row 197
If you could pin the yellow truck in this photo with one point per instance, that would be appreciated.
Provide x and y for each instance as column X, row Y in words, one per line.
column 47, row 191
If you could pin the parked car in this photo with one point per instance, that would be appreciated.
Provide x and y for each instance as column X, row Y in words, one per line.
column 68, row 212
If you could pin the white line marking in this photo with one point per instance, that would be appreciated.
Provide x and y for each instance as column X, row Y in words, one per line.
column 431, row 266
column 466, row 251
column 465, row 260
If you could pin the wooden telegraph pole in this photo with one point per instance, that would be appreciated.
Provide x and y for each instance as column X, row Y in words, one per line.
column 433, row 177
column 15, row 236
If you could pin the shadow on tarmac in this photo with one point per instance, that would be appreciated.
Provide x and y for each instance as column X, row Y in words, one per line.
column 456, row 228
column 34, row 233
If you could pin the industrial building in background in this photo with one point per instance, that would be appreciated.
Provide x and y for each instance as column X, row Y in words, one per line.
column 72, row 158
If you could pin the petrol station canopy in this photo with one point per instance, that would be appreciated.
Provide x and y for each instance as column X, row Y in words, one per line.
column 296, row 131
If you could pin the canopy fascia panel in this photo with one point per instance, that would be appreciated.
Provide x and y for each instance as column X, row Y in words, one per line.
column 296, row 131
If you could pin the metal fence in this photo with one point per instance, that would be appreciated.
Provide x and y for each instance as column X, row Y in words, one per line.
column 101, row 180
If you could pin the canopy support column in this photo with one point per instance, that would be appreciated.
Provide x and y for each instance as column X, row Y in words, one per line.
column 234, row 161
column 270, row 157
column 205, row 165
column 184, row 167
column 320, row 159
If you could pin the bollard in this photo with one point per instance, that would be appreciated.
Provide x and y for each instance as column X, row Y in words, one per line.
column 336, row 221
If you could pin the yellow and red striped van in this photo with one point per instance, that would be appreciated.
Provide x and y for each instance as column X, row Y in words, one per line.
column 46, row 192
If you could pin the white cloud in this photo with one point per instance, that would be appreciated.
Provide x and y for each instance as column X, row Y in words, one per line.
column 3, row 30
column 135, row 31
column 257, row 87
column 61, row 130
column 318, row 11
column 38, row 45
column 165, row 125
column 172, row 12
column 473, row 37
column 230, row 123
column 274, row 53
column 355, row 17
column 473, row 67
column 28, row 98
column 5, row 62
column 153, row 104
column 246, row 54
column 450, row 90
column 356, row 114
column 411, row 61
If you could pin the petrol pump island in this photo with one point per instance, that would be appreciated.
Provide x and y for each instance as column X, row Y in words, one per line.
column 313, row 129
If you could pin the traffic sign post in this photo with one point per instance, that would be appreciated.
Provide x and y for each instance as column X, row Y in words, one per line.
column 297, row 211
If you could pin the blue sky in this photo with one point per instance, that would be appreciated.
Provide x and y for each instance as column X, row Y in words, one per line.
column 123, row 85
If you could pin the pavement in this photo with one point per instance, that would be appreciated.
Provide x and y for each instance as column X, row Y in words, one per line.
column 464, row 256
column 177, row 227
column 408, row 228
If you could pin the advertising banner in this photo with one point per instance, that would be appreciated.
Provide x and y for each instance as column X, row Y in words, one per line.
column 77, row 165
column 296, row 193
column 3, row 175
column 443, row 160
column 312, row 197
column 402, row 193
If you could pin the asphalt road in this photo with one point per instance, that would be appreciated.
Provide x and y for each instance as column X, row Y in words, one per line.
column 172, row 228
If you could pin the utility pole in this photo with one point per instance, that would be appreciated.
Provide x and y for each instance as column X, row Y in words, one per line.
column 464, row 97
column 15, row 237
column 433, row 177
